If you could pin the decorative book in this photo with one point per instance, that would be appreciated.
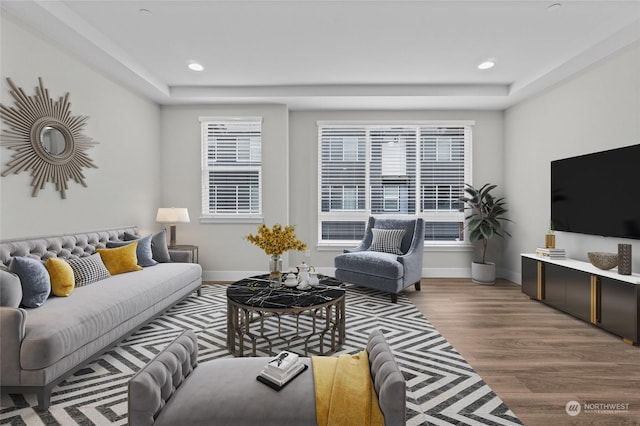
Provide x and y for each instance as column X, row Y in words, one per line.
column 552, row 253
column 281, row 370
column 282, row 364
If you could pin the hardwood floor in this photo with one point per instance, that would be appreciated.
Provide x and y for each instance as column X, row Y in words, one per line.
column 535, row 358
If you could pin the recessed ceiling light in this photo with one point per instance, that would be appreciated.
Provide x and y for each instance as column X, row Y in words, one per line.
column 195, row 66
column 487, row 64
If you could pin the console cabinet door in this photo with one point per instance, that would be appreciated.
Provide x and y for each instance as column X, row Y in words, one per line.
column 530, row 277
column 578, row 285
column 555, row 285
column 618, row 308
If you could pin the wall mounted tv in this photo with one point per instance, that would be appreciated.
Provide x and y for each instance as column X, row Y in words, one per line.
column 598, row 194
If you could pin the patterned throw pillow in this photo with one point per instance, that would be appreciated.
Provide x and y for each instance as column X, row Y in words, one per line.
column 387, row 240
column 121, row 259
column 87, row 270
column 62, row 280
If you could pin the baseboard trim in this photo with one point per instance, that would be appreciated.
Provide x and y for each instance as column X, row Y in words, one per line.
column 225, row 276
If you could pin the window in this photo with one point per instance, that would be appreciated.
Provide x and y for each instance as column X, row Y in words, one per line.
column 231, row 168
column 414, row 169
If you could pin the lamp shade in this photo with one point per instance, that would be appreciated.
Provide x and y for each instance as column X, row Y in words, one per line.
column 172, row 215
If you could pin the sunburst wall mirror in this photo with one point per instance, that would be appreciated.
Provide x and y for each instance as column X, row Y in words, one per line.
column 46, row 138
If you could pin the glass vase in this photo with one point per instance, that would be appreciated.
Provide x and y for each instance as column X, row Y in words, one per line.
column 275, row 267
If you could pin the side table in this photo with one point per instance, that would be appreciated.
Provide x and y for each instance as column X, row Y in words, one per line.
column 193, row 251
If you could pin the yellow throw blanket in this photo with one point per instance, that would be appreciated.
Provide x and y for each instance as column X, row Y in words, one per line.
column 344, row 391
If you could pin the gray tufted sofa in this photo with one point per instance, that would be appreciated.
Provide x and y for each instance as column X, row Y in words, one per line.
column 40, row 347
column 173, row 389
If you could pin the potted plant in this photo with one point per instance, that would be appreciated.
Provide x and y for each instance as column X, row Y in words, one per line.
column 485, row 220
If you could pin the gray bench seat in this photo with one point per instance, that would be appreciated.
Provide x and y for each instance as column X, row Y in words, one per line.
column 174, row 389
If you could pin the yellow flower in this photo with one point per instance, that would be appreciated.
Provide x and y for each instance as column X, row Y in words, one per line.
column 276, row 240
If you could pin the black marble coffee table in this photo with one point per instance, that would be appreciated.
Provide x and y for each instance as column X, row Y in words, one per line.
column 255, row 308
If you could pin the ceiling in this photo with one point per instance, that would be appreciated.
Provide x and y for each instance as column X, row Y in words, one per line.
column 330, row 54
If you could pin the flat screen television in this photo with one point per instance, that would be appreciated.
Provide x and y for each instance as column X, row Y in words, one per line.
column 598, row 194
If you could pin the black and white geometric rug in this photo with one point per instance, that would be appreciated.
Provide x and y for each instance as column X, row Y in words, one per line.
column 442, row 388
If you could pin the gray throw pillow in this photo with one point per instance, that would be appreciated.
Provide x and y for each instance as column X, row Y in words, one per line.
column 143, row 251
column 387, row 240
column 36, row 285
column 89, row 269
column 10, row 289
column 158, row 245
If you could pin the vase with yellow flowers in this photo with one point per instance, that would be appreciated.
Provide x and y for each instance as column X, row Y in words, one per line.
column 275, row 241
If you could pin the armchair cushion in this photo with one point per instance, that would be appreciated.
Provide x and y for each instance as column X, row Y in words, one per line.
column 387, row 240
column 373, row 262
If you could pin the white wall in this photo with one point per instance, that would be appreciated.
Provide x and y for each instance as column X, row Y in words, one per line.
column 224, row 253
column 123, row 190
column 596, row 110
column 290, row 182
column 150, row 157
column 487, row 167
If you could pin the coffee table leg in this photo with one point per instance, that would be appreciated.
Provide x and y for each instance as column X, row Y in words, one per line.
column 231, row 328
column 239, row 320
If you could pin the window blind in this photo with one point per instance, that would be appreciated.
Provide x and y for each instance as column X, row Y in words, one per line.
column 343, row 181
column 417, row 169
column 231, row 167
column 442, row 168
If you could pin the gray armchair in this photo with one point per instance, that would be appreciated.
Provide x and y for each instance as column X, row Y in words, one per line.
column 380, row 268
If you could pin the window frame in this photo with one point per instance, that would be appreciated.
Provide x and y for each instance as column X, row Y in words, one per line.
column 250, row 166
column 434, row 216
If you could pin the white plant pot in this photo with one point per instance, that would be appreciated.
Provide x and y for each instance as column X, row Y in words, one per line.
column 483, row 273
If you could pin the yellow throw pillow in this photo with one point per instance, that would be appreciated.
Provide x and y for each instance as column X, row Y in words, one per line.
column 61, row 274
column 120, row 259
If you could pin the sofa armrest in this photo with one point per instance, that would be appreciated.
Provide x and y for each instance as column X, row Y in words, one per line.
column 12, row 331
column 388, row 381
column 152, row 386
